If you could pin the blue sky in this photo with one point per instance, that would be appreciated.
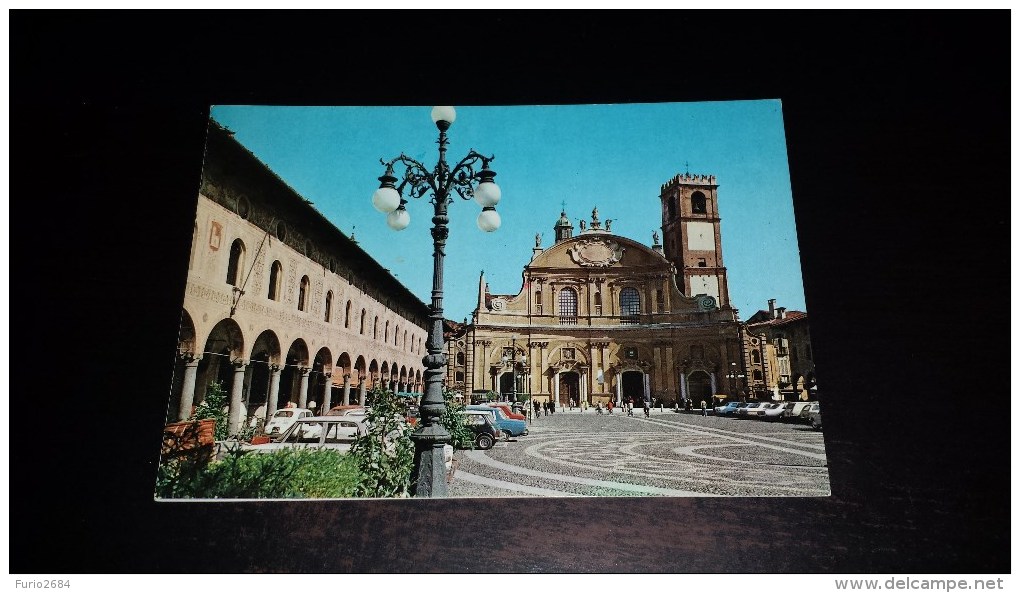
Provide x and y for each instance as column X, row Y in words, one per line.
column 611, row 156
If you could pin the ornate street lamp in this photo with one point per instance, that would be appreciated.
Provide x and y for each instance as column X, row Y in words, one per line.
column 734, row 374
column 512, row 362
column 429, row 474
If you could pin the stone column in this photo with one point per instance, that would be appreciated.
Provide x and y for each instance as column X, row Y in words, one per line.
column 327, row 394
column 303, row 389
column 361, row 391
column 236, row 398
column 619, row 389
column 188, row 386
column 582, row 389
column 683, row 385
column 274, row 390
column 347, row 389
column 648, row 391
column 556, row 386
column 712, row 376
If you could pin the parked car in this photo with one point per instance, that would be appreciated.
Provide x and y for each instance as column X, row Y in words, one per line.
column 348, row 410
column 484, row 427
column 510, row 427
column 283, row 419
column 816, row 419
column 752, row 410
column 328, row 432
column 805, row 413
column 797, row 408
column 728, row 409
column 508, row 412
column 777, row 410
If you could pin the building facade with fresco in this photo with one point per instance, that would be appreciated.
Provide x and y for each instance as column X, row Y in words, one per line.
column 280, row 306
column 603, row 317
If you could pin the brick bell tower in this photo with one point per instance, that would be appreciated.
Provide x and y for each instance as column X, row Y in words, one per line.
column 692, row 242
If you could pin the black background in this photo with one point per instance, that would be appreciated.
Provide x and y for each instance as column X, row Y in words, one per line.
column 897, row 126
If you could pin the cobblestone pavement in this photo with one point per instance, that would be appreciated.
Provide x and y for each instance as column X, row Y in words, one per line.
column 667, row 454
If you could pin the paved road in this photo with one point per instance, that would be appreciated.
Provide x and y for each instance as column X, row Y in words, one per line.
column 667, row 454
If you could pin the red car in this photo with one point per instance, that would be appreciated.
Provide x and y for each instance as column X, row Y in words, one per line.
column 509, row 413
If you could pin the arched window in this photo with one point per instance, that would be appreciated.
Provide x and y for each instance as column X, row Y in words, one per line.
column 598, row 303
column 375, row 328
column 538, row 302
column 236, row 263
column 460, row 359
column 362, row 322
column 405, row 339
column 347, row 315
column 302, row 293
column 660, row 301
column 329, row 305
column 386, row 336
column 275, row 276
column 630, row 306
column 568, row 306
column 755, row 357
column 698, row 205
column 671, row 207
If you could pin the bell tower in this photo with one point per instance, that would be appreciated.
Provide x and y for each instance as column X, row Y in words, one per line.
column 691, row 238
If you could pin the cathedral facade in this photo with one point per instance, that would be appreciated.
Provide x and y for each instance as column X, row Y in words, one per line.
column 601, row 317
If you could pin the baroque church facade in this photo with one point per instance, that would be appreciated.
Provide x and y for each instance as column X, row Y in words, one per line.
column 601, row 317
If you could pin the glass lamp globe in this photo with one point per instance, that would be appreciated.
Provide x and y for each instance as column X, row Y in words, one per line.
column 385, row 199
column 488, row 220
column 487, row 194
column 398, row 219
column 443, row 113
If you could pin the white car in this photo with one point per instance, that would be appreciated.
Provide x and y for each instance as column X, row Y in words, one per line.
column 776, row 410
column 752, row 410
column 331, row 432
column 284, row 418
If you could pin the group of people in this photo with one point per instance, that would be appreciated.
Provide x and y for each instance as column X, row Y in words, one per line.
column 544, row 408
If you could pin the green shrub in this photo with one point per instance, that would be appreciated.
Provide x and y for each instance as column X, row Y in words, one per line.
column 214, row 406
column 385, row 456
column 287, row 473
column 461, row 436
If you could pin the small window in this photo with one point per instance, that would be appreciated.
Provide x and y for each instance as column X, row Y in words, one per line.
column 329, row 305
column 375, row 328
column 756, row 375
column 362, row 322
column 236, row 263
column 755, row 357
column 459, row 377
column 347, row 315
column 386, row 334
column 671, row 206
column 460, row 359
column 702, row 263
column 303, row 294
column 660, row 301
column 275, row 277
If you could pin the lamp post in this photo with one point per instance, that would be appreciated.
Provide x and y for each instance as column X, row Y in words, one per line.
column 513, row 361
column 429, row 473
column 734, row 374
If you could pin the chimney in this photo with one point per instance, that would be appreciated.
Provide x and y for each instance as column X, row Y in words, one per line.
column 782, row 312
column 772, row 308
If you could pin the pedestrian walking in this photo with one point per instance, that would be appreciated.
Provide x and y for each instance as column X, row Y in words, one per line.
column 704, row 408
column 648, row 407
column 609, row 406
